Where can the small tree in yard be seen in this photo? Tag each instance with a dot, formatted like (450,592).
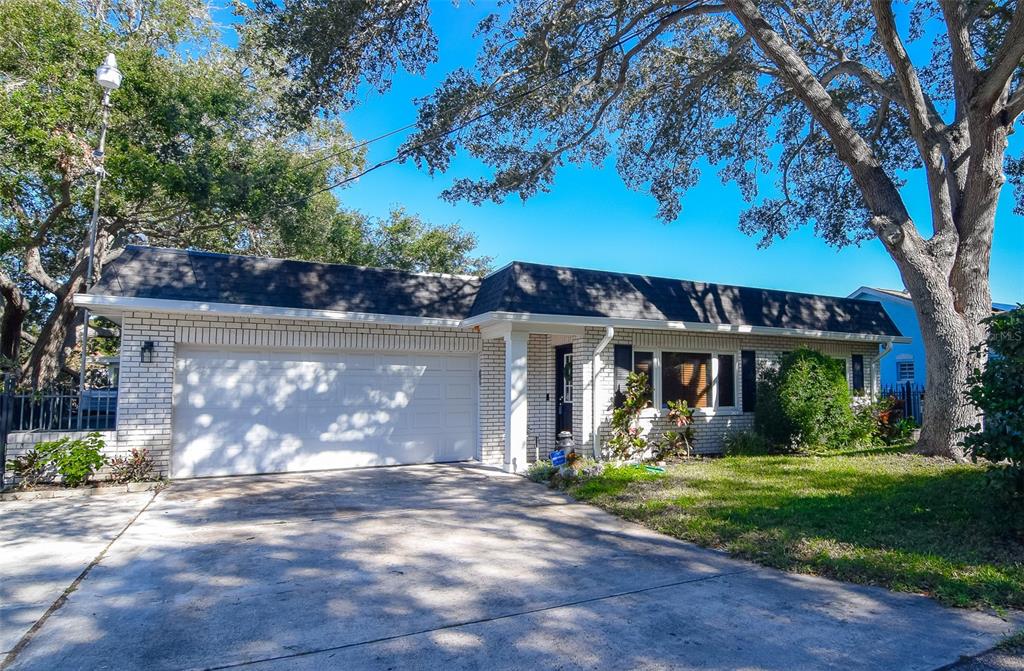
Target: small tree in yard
(998,391)
(627,441)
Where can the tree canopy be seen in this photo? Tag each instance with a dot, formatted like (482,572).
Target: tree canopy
(205,150)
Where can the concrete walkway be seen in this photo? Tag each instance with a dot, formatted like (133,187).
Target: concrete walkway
(441,567)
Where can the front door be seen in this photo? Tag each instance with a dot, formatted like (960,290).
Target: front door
(563,388)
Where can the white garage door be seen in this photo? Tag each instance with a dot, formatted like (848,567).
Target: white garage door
(276,411)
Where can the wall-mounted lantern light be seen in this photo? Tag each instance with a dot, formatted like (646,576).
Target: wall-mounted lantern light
(147,352)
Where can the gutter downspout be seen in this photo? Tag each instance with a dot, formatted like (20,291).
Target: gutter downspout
(875,364)
(609,333)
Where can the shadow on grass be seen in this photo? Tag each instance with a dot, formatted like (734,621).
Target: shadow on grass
(905,523)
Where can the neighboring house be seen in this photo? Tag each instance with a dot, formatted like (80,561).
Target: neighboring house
(906,362)
(233,364)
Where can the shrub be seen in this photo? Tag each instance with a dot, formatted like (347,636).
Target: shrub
(804,403)
(136,467)
(32,468)
(75,460)
(541,471)
(746,444)
(626,441)
(881,421)
(998,391)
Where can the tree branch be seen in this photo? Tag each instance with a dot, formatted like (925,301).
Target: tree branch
(870,78)
(1006,61)
(1015,105)
(925,123)
(34,269)
(891,220)
(620,83)
(965,68)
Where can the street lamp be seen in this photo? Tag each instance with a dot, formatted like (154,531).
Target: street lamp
(109,79)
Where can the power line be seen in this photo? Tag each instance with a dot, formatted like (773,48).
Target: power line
(403,152)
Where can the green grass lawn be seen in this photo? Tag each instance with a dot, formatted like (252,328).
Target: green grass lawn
(901,521)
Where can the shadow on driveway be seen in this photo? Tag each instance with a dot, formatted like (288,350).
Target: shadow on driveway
(458,567)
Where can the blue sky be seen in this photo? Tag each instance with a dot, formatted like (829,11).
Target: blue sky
(590,219)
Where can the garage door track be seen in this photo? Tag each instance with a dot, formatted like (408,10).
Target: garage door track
(440,567)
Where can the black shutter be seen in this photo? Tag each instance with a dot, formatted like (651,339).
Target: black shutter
(623,367)
(748,370)
(858,372)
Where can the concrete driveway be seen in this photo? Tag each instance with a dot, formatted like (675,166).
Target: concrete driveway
(434,567)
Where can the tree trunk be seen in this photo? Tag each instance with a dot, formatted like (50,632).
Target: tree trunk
(47,358)
(15,311)
(948,340)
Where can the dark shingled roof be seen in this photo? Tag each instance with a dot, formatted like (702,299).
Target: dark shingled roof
(176,274)
(150,272)
(535,288)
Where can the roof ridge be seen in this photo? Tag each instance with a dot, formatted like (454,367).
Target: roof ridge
(202,252)
(680,279)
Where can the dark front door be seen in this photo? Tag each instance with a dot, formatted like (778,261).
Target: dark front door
(563,388)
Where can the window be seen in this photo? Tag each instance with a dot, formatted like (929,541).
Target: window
(726,381)
(643,362)
(905,371)
(705,380)
(686,377)
(567,377)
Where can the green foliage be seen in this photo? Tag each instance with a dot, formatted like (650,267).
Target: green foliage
(998,391)
(905,522)
(205,150)
(402,241)
(804,403)
(679,442)
(75,460)
(627,441)
(31,468)
(541,471)
(746,444)
(879,421)
(135,467)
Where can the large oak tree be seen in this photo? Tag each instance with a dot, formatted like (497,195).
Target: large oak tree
(842,101)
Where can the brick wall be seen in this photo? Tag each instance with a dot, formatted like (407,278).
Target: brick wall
(540,380)
(492,402)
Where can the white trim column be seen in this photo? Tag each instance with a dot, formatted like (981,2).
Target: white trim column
(515,401)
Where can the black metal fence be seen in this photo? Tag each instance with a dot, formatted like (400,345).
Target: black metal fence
(56,409)
(909,398)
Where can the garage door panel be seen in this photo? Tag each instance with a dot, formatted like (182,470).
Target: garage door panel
(261,412)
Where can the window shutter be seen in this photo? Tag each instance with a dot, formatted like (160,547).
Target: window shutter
(748,371)
(623,367)
(858,372)
(726,381)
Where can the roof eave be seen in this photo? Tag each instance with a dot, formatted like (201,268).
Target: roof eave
(493,318)
(107,305)
(113,306)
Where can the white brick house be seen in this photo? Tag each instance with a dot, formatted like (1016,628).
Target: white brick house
(242,365)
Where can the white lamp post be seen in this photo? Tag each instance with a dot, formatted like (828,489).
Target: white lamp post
(109,79)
